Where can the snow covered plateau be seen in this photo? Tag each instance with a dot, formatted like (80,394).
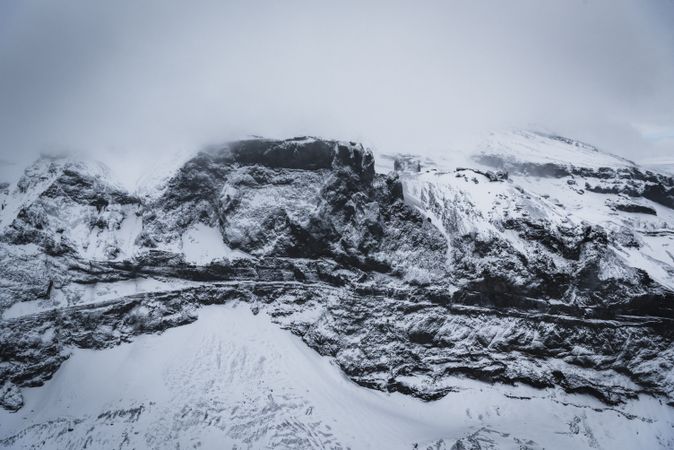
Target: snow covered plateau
(309,294)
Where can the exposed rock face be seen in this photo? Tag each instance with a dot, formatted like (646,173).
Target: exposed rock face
(402,279)
(635,208)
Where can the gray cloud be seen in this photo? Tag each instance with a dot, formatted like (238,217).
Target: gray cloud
(140,80)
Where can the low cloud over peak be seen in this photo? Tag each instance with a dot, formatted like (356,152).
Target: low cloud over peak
(138,81)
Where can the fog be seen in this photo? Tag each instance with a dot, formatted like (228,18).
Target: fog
(133,83)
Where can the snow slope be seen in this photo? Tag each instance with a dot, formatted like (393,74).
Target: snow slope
(663,164)
(562,199)
(541,148)
(235,380)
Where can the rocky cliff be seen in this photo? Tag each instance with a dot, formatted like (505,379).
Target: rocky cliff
(539,260)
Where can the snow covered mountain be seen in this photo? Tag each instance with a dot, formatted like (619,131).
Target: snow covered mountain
(521,295)
(664,165)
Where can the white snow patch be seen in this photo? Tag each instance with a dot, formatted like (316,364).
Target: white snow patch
(202,244)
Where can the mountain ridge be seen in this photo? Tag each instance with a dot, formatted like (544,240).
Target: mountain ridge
(405,279)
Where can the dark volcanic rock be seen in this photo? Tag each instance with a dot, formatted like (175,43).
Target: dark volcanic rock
(635,208)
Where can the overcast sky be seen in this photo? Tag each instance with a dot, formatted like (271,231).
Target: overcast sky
(138,80)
